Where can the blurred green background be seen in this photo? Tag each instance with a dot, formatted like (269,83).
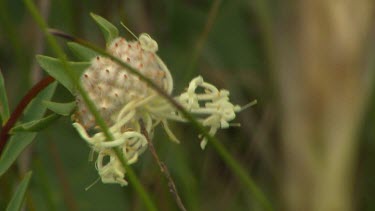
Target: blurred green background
(220,40)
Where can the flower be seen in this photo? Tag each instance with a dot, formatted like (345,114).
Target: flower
(123,99)
(217,109)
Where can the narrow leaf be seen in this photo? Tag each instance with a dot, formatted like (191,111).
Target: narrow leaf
(81,52)
(64,109)
(19,196)
(4,108)
(36,109)
(16,144)
(35,125)
(56,69)
(109,31)
(19,141)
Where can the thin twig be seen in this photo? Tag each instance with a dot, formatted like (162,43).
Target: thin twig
(4,134)
(163,168)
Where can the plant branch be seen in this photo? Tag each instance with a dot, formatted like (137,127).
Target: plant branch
(31,94)
(163,168)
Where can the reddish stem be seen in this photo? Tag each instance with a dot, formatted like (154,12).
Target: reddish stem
(31,94)
(163,168)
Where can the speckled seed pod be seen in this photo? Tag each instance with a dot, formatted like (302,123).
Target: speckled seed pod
(111,87)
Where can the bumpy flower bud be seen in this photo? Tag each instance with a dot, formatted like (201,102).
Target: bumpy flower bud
(110,86)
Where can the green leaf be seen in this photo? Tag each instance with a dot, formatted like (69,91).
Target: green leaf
(109,31)
(19,196)
(81,52)
(4,108)
(56,69)
(64,109)
(16,144)
(19,141)
(36,109)
(35,125)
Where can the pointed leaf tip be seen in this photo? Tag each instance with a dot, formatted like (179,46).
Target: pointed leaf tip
(64,109)
(109,31)
(56,69)
(35,125)
(81,52)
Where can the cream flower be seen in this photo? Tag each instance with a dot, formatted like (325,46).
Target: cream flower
(123,99)
(217,110)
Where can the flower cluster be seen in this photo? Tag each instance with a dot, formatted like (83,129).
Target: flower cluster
(123,99)
(217,109)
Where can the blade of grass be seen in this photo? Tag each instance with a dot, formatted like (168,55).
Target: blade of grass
(198,47)
(4,107)
(18,198)
(99,120)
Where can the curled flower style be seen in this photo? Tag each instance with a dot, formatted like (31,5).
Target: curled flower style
(217,109)
(123,99)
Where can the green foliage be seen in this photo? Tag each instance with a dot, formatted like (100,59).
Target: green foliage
(35,125)
(109,31)
(4,108)
(19,196)
(63,109)
(19,141)
(81,52)
(16,144)
(56,69)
